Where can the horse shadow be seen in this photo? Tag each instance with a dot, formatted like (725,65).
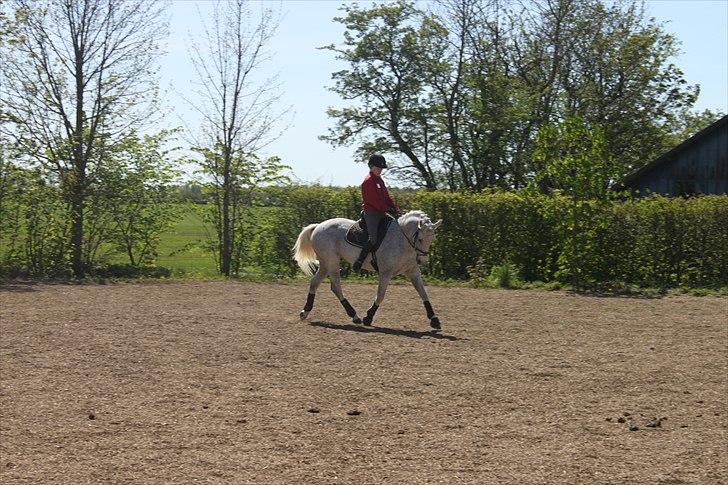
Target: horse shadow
(434,334)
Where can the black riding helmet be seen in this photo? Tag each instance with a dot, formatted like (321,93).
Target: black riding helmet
(377,160)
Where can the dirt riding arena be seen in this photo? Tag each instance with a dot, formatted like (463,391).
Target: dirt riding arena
(221,382)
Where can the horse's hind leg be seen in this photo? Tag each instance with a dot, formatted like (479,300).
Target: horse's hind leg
(315,282)
(336,288)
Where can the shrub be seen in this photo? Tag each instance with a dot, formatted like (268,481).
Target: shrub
(505,276)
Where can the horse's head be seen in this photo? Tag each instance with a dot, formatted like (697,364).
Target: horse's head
(427,230)
(421,230)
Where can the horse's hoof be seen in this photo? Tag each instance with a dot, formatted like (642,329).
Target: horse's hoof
(303,314)
(356,320)
(435,323)
(368,321)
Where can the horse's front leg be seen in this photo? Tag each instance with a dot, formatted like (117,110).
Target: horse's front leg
(416,278)
(384,279)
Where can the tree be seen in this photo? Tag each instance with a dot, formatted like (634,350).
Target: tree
(575,160)
(245,171)
(13,182)
(237,108)
(33,228)
(615,72)
(8,25)
(689,122)
(382,46)
(81,73)
(462,91)
(138,196)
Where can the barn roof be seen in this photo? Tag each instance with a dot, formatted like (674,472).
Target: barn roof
(669,155)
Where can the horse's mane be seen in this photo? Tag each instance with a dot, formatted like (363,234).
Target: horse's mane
(413,216)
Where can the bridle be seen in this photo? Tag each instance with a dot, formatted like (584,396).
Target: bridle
(420,253)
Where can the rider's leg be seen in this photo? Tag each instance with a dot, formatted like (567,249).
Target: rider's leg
(372,219)
(362,256)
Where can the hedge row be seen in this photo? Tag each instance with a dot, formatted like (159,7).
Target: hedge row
(657,241)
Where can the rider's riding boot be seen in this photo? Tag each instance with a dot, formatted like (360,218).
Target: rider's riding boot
(374,262)
(362,256)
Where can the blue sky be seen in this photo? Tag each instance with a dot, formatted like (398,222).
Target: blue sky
(305,73)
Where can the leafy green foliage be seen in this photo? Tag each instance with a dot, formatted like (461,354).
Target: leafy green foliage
(136,196)
(504,275)
(574,160)
(656,242)
(10,20)
(500,276)
(33,223)
(75,76)
(232,186)
(129,204)
(386,46)
(572,157)
(624,244)
(461,90)
(689,123)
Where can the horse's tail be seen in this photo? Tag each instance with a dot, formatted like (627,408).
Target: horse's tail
(303,251)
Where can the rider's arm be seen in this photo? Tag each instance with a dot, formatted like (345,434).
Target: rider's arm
(392,207)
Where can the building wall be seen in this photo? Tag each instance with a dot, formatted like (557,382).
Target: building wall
(699,168)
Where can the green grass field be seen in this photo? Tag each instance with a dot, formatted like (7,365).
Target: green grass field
(181,248)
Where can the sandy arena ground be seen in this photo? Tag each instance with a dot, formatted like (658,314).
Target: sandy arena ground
(221,382)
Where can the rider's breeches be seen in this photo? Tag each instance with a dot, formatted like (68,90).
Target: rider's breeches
(372,219)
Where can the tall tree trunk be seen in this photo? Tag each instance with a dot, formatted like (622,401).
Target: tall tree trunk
(78,192)
(77,206)
(226,248)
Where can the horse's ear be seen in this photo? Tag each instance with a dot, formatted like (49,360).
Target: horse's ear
(436,225)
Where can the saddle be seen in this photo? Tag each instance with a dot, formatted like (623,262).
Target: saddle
(357,235)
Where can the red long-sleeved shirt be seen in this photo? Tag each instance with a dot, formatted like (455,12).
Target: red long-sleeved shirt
(375,196)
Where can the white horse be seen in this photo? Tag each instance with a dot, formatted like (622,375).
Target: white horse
(406,243)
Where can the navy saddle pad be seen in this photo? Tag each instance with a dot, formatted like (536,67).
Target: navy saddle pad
(357,234)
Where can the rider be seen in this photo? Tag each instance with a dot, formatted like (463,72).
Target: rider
(376,204)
